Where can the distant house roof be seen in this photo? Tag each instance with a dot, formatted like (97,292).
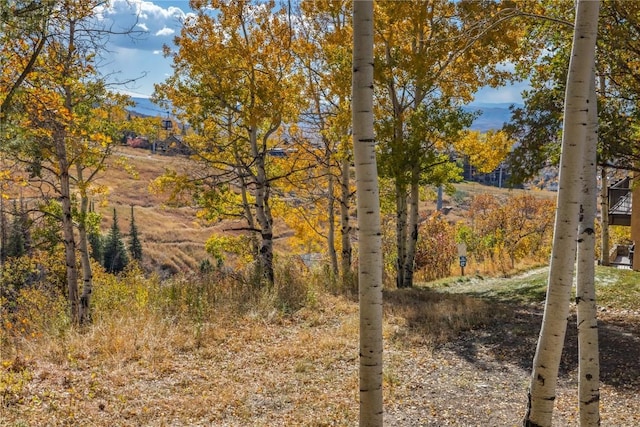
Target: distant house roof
(173,145)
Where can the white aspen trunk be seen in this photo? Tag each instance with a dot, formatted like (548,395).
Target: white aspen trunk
(546,362)
(263,213)
(345,225)
(412,226)
(85,262)
(67,226)
(368,203)
(401,232)
(604,217)
(588,349)
(331,234)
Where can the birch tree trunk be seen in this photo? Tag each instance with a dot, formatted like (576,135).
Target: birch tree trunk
(345,225)
(263,211)
(412,226)
(331,219)
(588,350)
(368,203)
(85,262)
(604,216)
(401,232)
(67,225)
(546,362)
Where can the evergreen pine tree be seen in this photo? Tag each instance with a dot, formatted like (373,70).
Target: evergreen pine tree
(16,243)
(135,247)
(115,253)
(97,246)
(96,241)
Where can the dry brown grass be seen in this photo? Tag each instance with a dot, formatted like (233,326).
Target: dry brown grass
(186,357)
(222,352)
(172,238)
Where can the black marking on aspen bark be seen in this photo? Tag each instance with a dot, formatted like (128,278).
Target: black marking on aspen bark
(589,377)
(594,399)
(367,140)
(580,240)
(540,379)
(578,300)
(550,398)
(589,231)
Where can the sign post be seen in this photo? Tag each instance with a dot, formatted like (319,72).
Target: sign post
(462,253)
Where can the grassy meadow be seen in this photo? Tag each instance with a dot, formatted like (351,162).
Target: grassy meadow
(215,349)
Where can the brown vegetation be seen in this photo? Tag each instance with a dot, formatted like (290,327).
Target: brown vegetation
(217,351)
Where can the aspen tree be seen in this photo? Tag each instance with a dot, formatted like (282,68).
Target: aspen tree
(588,349)
(368,203)
(546,362)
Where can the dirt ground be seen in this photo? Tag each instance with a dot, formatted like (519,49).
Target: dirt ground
(481,378)
(302,371)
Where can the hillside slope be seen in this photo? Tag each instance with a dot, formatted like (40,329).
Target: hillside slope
(173,238)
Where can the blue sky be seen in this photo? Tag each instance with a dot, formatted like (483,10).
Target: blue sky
(140,57)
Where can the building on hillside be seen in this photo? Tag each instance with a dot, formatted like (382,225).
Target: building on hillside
(496,178)
(171,146)
(138,142)
(620,199)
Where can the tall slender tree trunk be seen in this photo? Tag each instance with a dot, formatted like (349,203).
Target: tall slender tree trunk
(412,226)
(401,232)
(368,202)
(345,223)
(544,376)
(83,245)
(263,212)
(604,216)
(588,349)
(331,234)
(67,226)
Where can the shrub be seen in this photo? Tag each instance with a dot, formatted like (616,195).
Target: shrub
(436,248)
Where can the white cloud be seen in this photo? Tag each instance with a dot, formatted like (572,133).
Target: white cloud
(137,58)
(148,22)
(509,94)
(165,32)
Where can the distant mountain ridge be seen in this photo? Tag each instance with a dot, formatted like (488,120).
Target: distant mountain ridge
(146,107)
(493,115)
